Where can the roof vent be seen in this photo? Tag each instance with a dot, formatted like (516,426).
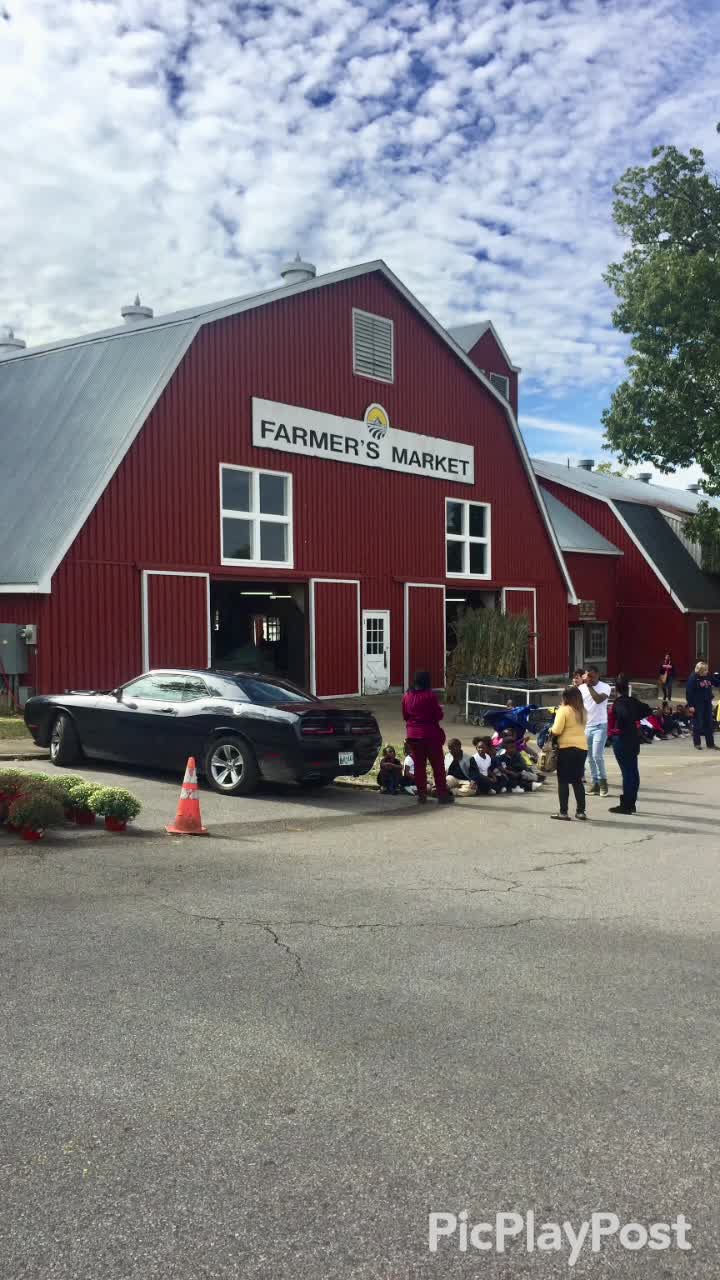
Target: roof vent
(644,477)
(694,488)
(9,344)
(587,464)
(298,272)
(135,312)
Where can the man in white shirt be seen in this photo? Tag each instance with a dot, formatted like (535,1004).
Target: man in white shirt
(595,694)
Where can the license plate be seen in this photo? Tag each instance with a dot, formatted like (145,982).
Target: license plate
(346,757)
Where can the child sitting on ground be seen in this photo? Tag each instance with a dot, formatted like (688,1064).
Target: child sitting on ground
(483,772)
(496,775)
(670,722)
(390,775)
(519,776)
(408,771)
(457,768)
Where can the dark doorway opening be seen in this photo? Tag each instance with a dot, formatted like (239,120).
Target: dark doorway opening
(260,626)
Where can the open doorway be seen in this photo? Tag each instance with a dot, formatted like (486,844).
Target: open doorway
(260,626)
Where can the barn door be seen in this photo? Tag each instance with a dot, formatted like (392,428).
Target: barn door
(335,637)
(175,619)
(519,600)
(425,632)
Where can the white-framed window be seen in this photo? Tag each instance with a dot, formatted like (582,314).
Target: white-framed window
(597,641)
(501,383)
(702,641)
(373,346)
(255,517)
(467,539)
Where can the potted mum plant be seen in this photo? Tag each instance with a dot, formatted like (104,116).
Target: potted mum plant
(64,784)
(116,805)
(34,811)
(80,796)
(12,784)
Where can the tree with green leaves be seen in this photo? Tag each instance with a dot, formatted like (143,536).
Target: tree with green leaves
(667,411)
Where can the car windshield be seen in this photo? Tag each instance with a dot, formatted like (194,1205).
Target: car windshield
(267,691)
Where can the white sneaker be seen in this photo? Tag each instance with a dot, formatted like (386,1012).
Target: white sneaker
(491,792)
(518,791)
(536,786)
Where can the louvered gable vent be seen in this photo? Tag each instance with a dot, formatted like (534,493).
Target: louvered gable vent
(373,346)
(501,384)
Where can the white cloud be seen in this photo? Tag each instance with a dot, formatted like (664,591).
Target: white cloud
(185,147)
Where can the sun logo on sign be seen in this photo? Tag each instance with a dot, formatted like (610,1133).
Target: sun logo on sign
(376,421)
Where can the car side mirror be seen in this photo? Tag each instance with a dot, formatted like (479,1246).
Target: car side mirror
(118,694)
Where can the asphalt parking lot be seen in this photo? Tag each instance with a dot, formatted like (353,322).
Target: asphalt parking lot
(273,1051)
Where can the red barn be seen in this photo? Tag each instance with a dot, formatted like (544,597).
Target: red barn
(664,598)
(292,481)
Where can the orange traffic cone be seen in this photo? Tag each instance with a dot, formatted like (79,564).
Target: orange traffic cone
(187,819)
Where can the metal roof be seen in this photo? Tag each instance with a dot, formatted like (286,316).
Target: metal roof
(66,422)
(468,335)
(621,489)
(695,590)
(573,533)
(103,401)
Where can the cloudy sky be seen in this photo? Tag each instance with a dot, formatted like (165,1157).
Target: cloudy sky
(184,148)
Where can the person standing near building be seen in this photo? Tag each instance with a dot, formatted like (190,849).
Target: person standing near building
(625,739)
(568,731)
(422,714)
(667,675)
(595,694)
(699,697)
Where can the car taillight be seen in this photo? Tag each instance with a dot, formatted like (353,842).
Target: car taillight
(314,730)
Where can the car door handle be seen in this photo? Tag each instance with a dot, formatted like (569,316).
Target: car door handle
(131,705)
(167,711)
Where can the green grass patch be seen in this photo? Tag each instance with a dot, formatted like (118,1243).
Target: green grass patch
(13,727)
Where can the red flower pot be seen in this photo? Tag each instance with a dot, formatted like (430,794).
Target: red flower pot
(115,824)
(85,817)
(30,834)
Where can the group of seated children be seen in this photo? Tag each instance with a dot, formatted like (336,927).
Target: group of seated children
(666,722)
(495,767)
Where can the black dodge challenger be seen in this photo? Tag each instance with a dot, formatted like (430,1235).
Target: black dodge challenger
(240,727)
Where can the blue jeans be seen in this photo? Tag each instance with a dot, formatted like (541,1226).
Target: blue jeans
(596,738)
(627,755)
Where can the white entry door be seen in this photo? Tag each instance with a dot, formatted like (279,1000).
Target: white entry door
(376,651)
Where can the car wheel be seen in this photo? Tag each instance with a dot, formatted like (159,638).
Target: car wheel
(230,767)
(64,741)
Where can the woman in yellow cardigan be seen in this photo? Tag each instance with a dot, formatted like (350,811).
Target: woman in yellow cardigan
(568,731)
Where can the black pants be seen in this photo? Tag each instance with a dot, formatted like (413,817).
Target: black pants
(627,755)
(570,769)
(703,724)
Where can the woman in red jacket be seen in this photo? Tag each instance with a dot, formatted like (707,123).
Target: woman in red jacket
(422,714)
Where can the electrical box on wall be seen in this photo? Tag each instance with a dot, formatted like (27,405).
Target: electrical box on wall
(29,633)
(13,650)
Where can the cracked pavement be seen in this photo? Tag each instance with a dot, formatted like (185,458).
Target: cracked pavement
(270,1052)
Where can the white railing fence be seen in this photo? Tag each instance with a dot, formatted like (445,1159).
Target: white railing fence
(476,695)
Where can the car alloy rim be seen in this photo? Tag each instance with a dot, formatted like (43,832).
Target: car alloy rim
(227,766)
(55,741)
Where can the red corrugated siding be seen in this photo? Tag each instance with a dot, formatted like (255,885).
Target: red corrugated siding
(337,638)
(161,510)
(487,355)
(177,621)
(595,578)
(648,621)
(426,633)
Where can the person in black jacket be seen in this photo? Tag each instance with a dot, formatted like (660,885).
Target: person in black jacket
(627,712)
(699,697)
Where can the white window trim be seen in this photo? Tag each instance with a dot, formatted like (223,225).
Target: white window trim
(466,539)
(371,315)
(256,516)
(702,623)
